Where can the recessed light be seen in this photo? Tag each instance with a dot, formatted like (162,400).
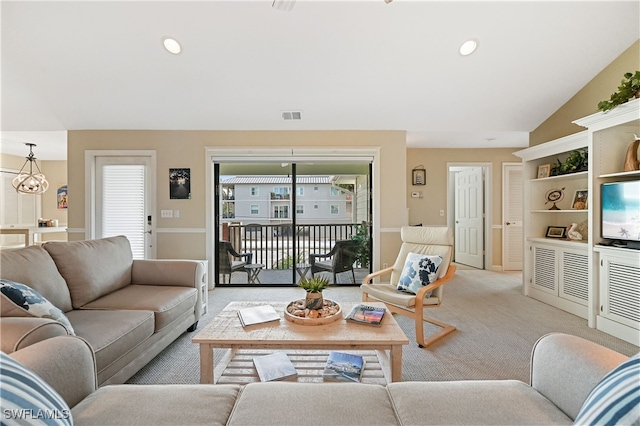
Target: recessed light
(468,47)
(172,45)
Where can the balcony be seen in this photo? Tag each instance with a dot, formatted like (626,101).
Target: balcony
(279,247)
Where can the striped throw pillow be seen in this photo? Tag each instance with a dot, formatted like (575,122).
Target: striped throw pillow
(27,399)
(616,398)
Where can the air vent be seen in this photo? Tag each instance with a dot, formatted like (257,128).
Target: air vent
(291,115)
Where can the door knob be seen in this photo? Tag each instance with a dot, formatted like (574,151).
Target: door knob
(508,223)
(149,231)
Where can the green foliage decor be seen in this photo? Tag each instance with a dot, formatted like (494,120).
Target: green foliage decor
(363,254)
(314,284)
(577,161)
(629,88)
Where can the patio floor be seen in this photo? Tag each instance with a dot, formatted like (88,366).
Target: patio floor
(283,277)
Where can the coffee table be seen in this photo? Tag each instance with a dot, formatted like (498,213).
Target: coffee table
(225,331)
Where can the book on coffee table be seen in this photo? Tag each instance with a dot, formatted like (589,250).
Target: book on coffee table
(275,366)
(258,315)
(342,366)
(364,314)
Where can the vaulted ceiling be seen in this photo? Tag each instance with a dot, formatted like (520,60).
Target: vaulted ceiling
(356,65)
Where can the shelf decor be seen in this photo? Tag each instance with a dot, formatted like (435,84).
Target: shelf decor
(556,232)
(580,199)
(554,196)
(544,171)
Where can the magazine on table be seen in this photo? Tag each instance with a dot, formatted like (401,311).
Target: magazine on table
(342,366)
(364,314)
(258,315)
(275,366)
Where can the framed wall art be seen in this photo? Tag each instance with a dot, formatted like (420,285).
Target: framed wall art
(180,184)
(419,176)
(544,171)
(580,199)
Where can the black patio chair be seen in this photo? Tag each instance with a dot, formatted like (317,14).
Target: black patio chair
(340,259)
(226,264)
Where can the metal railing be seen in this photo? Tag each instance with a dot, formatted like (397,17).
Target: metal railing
(274,245)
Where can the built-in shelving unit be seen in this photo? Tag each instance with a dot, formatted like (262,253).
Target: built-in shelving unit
(586,278)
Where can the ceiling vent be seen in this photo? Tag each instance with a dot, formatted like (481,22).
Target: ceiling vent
(291,115)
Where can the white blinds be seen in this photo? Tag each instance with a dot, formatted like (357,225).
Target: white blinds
(123,209)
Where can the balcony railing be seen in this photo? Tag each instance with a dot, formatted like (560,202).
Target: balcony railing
(282,246)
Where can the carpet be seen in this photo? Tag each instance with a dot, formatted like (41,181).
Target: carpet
(496,329)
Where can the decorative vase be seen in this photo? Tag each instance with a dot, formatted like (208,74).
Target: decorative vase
(631,161)
(314,300)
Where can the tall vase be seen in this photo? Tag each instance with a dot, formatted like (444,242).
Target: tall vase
(631,162)
(314,300)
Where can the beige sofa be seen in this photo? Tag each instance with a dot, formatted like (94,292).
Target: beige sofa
(128,310)
(564,369)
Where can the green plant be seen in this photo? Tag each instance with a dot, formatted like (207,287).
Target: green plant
(363,252)
(629,88)
(314,284)
(577,161)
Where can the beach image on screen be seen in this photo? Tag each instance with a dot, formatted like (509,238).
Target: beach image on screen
(621,210)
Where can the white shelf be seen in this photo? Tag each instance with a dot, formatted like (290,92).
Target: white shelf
(632,173)
(562,177)
(561,242)
(559,211)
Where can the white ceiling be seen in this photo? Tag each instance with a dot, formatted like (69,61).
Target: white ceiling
(356,65)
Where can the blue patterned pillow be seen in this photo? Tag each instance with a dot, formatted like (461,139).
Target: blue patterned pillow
(32,302)
(419,270)
(616,399)
(27,399)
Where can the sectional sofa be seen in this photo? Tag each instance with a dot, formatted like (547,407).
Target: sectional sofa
(127,310)
(564,371)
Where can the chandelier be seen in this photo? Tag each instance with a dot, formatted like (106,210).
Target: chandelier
(30,183)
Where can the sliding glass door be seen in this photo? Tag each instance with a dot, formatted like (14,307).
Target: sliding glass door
(277,216)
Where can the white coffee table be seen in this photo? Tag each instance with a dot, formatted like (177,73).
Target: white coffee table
(225,331)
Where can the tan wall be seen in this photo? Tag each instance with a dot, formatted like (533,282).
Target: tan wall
(585,102)
(426,210)
(186,149)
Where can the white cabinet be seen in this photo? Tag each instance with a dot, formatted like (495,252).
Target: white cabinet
(619,310)
(559,275)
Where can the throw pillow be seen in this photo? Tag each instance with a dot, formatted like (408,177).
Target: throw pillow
(615,399)
(27,399)
(32,302)
(419,270)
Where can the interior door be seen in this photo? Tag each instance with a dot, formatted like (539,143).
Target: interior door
(123,203)
(512,212)
(469,217)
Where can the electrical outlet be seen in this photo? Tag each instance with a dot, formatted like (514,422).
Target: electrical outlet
(441,212)
(385,265)
(166,213)
(176,213)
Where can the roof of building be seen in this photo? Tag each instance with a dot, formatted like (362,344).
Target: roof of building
(275,180)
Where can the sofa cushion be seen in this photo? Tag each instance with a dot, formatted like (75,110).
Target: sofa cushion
(33,266)
(29,397)
(21,300)
(112,333)
(157,405)
(167,303)
(288,403)
(92,268)
(616,399)
(477,402)
(419,270)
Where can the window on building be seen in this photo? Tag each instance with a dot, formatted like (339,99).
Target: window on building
(281,212)
(334,209)
(299,209)
(254,191)
(300,190)
(315,206)
(281,192)
(334,191)
(255,209)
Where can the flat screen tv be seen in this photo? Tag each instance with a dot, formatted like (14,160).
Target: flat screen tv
(621,212)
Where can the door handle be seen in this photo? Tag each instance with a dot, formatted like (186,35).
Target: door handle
(508,223)
(149,231)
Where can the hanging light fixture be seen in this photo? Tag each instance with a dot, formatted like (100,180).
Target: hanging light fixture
(30,183)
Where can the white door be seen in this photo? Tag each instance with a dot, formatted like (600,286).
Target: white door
(124,201)
(512,215)
(469,217)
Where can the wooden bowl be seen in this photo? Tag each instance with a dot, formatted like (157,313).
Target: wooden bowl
(313,321)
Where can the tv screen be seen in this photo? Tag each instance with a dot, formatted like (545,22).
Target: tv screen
(621,210)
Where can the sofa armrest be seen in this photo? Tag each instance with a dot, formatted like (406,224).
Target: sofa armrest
(566,368)
(20,332)
(67,363)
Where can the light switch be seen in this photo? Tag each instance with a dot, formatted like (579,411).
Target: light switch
(166,213)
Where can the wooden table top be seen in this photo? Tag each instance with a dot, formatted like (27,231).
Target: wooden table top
(225,330)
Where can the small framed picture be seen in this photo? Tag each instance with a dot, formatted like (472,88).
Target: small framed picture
(580,199)
(419,176)
(179,184)
(544,171)
(556,232)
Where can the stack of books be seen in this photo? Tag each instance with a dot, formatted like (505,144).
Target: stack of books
(258,315)
(364,314)
(275,366)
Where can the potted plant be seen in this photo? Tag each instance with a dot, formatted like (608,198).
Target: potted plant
(314,286)
(629,88)
(363,254)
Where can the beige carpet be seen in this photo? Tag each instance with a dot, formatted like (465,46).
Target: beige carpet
(497,327)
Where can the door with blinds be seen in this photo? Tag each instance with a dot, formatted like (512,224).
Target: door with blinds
(123,201)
